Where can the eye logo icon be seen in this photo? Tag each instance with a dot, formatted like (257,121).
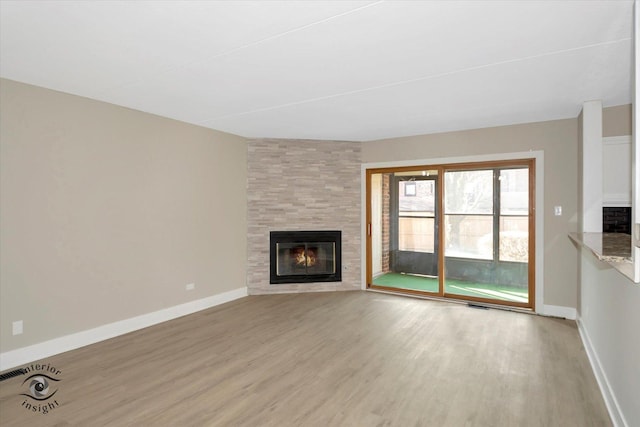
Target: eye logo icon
(39,388)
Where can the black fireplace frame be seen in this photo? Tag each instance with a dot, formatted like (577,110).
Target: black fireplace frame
(303,237)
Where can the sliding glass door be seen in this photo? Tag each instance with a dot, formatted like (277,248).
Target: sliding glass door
(404,208)
(486,219)
(456,231)
(413,224)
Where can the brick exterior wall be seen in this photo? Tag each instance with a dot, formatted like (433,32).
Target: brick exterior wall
(302,185)
(386,221)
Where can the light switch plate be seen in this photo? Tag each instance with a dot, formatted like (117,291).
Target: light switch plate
(17,327)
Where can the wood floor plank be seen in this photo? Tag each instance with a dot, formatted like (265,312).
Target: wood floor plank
(338,358)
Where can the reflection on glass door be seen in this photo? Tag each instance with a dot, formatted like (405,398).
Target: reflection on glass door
(486,216)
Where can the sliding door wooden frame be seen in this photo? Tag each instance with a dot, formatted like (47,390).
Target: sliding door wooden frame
(529,163)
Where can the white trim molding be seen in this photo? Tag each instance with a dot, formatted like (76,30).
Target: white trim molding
(558,311)
(32,353)
(539,219)
(617,417)
(617,140)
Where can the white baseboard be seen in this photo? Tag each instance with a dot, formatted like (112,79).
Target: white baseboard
(605,388)
(32,353)
(559,311)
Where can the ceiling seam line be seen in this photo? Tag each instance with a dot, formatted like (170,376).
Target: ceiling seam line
(417,79)
(245,46)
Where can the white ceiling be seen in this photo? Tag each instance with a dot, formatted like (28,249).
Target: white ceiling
(348,70)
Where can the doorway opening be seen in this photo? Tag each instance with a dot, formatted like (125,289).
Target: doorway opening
(462,231)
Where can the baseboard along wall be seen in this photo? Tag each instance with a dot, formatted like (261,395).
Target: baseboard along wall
(559,311)
(610,400)
(32,353)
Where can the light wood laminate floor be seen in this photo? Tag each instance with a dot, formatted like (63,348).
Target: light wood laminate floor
(321,359)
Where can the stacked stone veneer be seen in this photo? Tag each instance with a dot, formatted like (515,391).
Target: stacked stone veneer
(302,185)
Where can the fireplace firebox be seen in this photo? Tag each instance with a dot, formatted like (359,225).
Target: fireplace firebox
(305,256)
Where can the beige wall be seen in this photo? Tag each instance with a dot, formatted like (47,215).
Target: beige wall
(616,121)
(558,140)
(107,213)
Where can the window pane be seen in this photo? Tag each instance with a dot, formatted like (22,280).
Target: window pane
(514,192)
(514,238)
(469,236)
(468,192)
(416,234)
(417,197)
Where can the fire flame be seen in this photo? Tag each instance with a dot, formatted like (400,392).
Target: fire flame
(303,257)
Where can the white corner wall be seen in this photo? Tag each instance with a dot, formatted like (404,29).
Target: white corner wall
(592,182)
(609,302)
(609,322)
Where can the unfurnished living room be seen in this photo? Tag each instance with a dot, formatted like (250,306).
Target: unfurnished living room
(314,213)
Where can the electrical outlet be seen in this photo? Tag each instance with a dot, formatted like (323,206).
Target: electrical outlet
(190,286)
(17,327)
(557,210)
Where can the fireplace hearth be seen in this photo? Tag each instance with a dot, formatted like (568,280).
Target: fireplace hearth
(305,256)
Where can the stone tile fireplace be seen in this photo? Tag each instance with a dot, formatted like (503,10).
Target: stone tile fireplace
(305,256)
(303,185)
